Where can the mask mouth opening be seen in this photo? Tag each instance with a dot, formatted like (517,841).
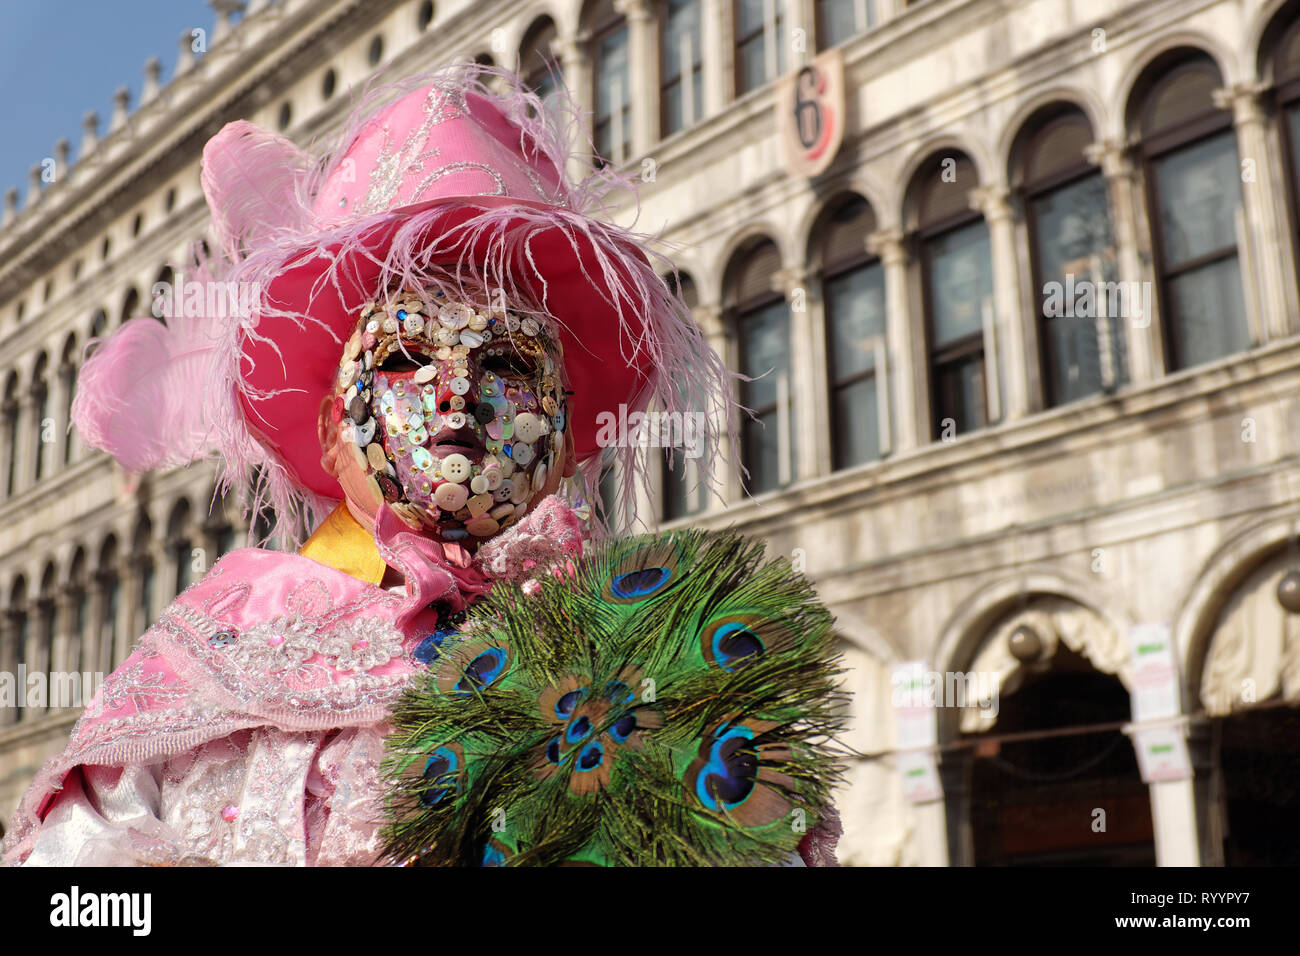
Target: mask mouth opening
(462,441)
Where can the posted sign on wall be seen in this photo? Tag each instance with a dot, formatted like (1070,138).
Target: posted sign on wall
(810,107)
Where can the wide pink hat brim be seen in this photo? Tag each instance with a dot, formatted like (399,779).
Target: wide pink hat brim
(290,366)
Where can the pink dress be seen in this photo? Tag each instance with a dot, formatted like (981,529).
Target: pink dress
(248,725)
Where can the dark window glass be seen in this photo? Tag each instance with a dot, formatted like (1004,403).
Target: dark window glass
(838,20)
(682,65)
(760,48)
(1083,339)
(613,122)
(765,357)
(960,286)
(855,320)
(1199,193)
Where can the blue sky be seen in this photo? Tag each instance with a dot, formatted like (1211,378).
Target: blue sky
(60,58)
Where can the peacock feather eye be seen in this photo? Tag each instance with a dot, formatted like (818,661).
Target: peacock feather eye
(472,667)
(441,774)
(733,775)
(734,640)
(643,573)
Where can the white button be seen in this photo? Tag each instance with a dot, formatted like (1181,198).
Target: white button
(528,428)
(471,339)
(454,316)
(529,326)
(460,385)
(478,484)
(450,497)
(455,468)
(454,420)
(504,491)
(424,374)
(539,477)
(522,453)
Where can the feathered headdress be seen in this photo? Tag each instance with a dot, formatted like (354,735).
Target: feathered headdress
(437,183)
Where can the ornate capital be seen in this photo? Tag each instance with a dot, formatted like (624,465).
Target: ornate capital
(633,9)
(889,245)
(1113,156)
(992,201)
(786,280)
(1244,99)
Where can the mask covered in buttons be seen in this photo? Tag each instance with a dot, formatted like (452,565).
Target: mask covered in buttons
(459,414)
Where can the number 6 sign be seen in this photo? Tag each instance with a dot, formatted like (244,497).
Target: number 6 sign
(810,107)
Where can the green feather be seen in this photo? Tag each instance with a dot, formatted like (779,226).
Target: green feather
(672,701)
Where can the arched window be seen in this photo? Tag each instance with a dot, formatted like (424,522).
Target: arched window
(219,529)
(681,66)
(538,63)
(682,492)
(760,45)
(79,610)
(108,581)
(838,20)
(425,16)
(1193,179)
(1286,87)
(853,291)
(43,656)
(68,381)
(178,543)
(19,635)
(13,428)
(45,432)
(145,574)
(98,329)
(612,92)
(761,321)
(165,297)
(130,306)
(957,278)
(1080,304)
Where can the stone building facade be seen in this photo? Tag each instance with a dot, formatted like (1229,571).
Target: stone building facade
(984,469)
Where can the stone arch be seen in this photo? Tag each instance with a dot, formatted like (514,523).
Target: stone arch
(1065,611)
(1150,59)
(1084,99)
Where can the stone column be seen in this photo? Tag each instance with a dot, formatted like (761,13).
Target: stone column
(809,414)
(886,10)
(65,444)
(1145,343)
(714,16)
(1263,191)
(642,73)
(29,433)
(1011,337)
(576,70)
(726,478)
(9,663)
(905,343)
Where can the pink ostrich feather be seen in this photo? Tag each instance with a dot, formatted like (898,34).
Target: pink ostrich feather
(262,190)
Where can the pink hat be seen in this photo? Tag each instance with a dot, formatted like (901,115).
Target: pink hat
(440,184)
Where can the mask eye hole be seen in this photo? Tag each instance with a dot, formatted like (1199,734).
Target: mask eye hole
(397,362)
(508,366)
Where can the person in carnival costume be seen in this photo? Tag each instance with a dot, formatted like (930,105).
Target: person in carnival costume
(442,320)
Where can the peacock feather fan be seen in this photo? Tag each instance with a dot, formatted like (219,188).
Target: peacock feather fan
(669,700)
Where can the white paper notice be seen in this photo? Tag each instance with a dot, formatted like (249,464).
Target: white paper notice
(1162,752)
(913,707)
(1155,672)
(920,776)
